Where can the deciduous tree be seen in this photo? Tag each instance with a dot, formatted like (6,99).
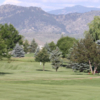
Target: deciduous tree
(10,36)
(2,48)
(86,51)
(65,43)
(43,57)
(94,28)
(52,46)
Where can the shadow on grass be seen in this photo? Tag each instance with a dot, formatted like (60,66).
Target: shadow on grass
(4,73)
(42,70)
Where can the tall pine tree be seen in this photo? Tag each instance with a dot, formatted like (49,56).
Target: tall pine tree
(33,46)
(26,45)
(55,58)
(46,46)
(36,51)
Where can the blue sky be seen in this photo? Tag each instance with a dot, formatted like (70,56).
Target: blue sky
(48,5)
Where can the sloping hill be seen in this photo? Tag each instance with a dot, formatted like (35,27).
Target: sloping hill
(29,19)
(33,22)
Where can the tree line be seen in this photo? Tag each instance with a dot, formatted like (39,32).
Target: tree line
(84,54)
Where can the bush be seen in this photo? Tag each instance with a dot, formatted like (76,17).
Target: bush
(81,67)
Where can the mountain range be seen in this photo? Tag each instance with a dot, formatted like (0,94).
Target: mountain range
(74,9)
(33,22)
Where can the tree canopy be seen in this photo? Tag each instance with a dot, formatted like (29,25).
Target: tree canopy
(42,56)
(86,51)
(33,46)
(94,28)
(65,43)
(2,47)
(52,46)
(10,36)
(26,45)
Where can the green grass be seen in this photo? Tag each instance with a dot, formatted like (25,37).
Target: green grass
(24,59)
(20,80)
(29,55)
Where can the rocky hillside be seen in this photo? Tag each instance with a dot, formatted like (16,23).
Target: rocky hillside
(33,22)
(77,23)
(29,19)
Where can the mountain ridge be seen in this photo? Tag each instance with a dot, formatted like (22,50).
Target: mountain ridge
(33,22)
(73,9)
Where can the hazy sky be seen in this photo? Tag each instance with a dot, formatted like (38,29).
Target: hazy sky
(48,5)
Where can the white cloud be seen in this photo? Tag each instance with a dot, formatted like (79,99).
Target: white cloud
(15,2)
(67,1)
(53,4)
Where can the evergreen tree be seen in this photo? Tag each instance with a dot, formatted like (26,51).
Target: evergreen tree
(43,57)
(36,51)
(55,58)
(86,51)
(81,67)
(18,51)
(33,46)
(46,46)
(26,45)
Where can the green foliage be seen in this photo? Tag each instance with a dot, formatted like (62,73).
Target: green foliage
(65,43)
(52,46)
(36,51)
(55,58)
(81,67)
(47,47)
(33,46)
(85,51)
(94,28)
(43,57)
(26,45)
(10,36)
(9,57)
(2,48)
(18,51)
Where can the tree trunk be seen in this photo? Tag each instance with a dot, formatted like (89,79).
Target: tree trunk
(56,69)
(95,70)
(43,66)
(90,67)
